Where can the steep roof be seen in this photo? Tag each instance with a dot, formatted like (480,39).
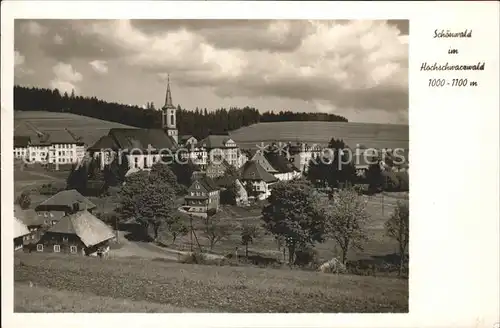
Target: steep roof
(142,138)
(105,142)
(279,162)
(65,198)
(252,170)
(20,229)
(21,141)
(214,141)
(86,226)
(29,217)
(207,183)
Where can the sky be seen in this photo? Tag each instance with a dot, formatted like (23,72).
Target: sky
(357,69)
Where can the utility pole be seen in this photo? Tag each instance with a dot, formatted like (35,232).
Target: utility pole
(382,203)
(191,224)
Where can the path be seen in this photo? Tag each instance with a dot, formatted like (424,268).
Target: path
(140,249)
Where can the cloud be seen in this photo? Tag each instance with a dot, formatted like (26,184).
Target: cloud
(33,28)
(58,39)
(20,68)
(66,77)
(18,59)
(350,64)
(100,66)
(337,66)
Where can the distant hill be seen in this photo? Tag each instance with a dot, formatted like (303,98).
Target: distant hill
(90,129)
(367,134)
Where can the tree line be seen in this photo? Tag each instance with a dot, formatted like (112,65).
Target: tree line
(198,122)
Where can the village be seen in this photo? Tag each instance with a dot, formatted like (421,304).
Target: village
(219,179)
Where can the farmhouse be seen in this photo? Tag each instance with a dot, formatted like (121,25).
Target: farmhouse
(62,203)
(21,233)
(257,180)
(141,147)
(276,164)
(35,222)
(79,232)
(203,194)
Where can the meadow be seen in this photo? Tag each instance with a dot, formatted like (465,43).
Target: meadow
(377,246)
(90,129)
(194,288)
(367,134)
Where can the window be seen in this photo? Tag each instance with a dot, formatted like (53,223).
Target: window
(39,248)
(65,238)
(197,186)
(172,119)
(73,249)
(57,248)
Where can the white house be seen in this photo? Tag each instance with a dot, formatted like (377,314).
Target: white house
(257,181)
(276,164)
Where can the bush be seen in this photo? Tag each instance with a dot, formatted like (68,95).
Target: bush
(49,189)
(306,257)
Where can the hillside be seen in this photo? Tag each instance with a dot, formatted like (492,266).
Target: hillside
(90,129)
(367,134)
(197,287)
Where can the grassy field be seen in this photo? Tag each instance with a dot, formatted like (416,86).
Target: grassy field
(367,134)
(185,286)
(378,243)
(90,129)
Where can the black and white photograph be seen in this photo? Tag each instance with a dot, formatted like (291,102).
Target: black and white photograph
(231,166)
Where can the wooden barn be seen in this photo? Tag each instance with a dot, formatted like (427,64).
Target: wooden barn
(78,232)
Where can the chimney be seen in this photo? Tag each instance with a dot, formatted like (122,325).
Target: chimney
(76,207)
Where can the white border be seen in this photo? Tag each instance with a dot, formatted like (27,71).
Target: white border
(454,203)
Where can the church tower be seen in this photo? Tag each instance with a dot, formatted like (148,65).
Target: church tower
(168,115)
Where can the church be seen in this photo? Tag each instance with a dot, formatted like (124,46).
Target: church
(142,147)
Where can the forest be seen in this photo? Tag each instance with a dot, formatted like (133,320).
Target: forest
(196,122)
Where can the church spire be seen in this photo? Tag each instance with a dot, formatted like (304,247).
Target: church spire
(168,97)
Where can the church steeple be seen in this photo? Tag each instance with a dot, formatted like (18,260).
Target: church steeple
(168,115)
(168,96)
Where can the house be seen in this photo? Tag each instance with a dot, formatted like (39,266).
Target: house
(59,147)
(21,144)
(63,202)
(187,140)
(78,232)
(203,194)
(195,153)
(300,154)
(257,181)
(141,148)
(21,233)
(226,182)
(276,164)
(35,222)
(220,147)
(217,169)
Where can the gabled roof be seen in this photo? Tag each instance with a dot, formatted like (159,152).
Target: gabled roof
(20,229)
(252,170)
(214,141)
(142,138)
(185,137)
(86,226)
(21,141)
(279,162)
(65,198)
(29,217)
(206,183)
(105,142)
